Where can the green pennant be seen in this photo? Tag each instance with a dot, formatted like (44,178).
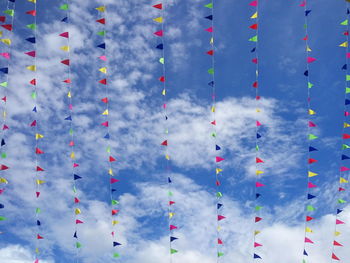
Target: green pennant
(173,251)
(312,137)
(161,61)
(3,84)
(347,77)
(344,23)
(70,131)
(257,148)
(74,189)
(310,85)
(347,90)
(258,208)
(170,193)
(2,218)
(64,7)
(341,201)
(116,255)
(304,261)
(32,26)
(218,194)
(101,33)
(254,39)
(10,12)
(345,146)
(210,5)
(38,211)
(166,131)
(3,155)
(220,254)
(108,149)
(115,202)
(213,134)
(305,26)
(211,71)
(78,245)
(310,208)
(33,95)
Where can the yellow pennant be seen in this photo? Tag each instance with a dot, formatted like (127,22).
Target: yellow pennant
(115,222)
(77,211)
(311,174)
(105,112)
(259,172)
(32,67)
(171,214)
(6,41)
(65,48)
(343,180)
(38,136)
(4,114)
(101,8)
(110,171)
(103,70)
(32,1)
(39,182)
(255,15)
(167,157)
(311,112)
(3,180)
(163,92)
(308,49)
(258,110)
(219,228)
(218,170)
(158,19)
(69,95)
(345,44)
(211,41)
(72,155)
(308,229)
(257,232)
(0,33)
(337,233)
(213,109)
(346,125)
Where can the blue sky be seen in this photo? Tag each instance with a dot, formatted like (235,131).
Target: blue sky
(137,125)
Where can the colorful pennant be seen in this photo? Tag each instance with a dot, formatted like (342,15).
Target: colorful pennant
(105,113)
(159,20)
(259,162)
(311,137)
(217,149)
(69,119)
(6,50)
(343,174)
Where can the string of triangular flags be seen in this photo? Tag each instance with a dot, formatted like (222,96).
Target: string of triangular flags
(311,137)
(5,55)
(106,124)
(66,62)
(218,159)
(34,124)
(344,170)
(258,132)
(171,203)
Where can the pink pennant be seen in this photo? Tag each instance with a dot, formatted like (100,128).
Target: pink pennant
(172,227)
(104,58)
(219,159)
(79,221)
(2,191)
(36,261)
(76,200)
(37,194)
(347,55)
(71,143)
(105,124)
(159,33)
(311,185)
(33,124)
(310,59)
(308,240)
(258,184)
(75,165)
(258,123)
(65,34)
(5,55)
(257,244)
(220,241)
(346,113)
(210,29)
(220,217)
(5,127)
(311,124)
(344,169)
(31,53)
(113,180)
(339,222)
(303,3)
(254,3)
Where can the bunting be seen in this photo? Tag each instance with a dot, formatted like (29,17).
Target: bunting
(259,161)
(4,84)
(65,62)
(344,170)
(311,138)
(159,21)
(219,242)
(106,123)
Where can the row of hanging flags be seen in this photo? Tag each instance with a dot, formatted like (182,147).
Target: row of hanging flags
(160,46)
(311,137)
(217,148)
(258,133)
(344,169)
(105,101)
(6,20)
(67,81)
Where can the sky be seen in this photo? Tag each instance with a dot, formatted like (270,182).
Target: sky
(137,123)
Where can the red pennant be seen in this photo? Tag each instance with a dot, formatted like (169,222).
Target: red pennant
(220,241)
(341,189)
(309,218)
(33,82)
(39,169)
(105,124)
(38,151)
(172,227)
(114,212)
(65,34)
(111,159)
(105,100)
(33,124)
(257,219)
(335,257)
(257,244)
(103,81)
(5,127)
(31,12)
(255,60)
(310,161)
(308,240)
(4,99)
(8,27)
(311,124)
(311,185)
(255,84)
(76,200)
(210,29)
(2,19)
(335,243)
(254,26)
(220,217)
(346,33)
(159,33)
(258,160)
(258,184)
(162,79)
(102,21)
(113,180)
(346,136)
(217,183)
(219,159)
(31,53)
(171,202)
(37,194)
(39,237)
(213,122)
(68,81)
(66,62)
(306,37)
(78,222)
(3,167)
(159,6)
(165,143)
(210,52)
